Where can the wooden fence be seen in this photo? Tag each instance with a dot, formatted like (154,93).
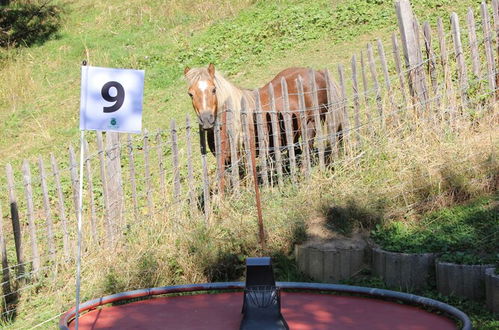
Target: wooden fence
(424,78)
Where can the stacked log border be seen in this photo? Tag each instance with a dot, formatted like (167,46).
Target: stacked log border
(492,290)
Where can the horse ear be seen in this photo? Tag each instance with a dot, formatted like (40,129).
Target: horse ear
(187,69)
(211,70)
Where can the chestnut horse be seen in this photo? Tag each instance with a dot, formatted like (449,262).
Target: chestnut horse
(210,91)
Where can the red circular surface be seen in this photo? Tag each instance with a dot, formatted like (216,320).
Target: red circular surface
(303,311)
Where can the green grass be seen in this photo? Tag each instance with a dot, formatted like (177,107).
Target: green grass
(464,234)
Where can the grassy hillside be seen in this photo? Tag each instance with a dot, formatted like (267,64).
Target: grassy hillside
(249,40)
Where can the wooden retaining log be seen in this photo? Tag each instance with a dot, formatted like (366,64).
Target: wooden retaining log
(332,261)
(407,271)
(467,281)
(492,290)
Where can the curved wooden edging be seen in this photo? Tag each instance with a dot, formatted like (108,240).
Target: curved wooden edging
(407,271)
(330,264)
(492,290)
(467,281)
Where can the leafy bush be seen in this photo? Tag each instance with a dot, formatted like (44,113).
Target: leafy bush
(26,24)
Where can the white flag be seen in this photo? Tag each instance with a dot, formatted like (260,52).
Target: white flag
(111,99)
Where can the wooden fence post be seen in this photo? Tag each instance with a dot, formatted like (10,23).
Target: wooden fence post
(159,151)
(31,217)
(105,194)
(115,181)
(374,76)
(412,52)
(475,57)
(91,197)
(262,140)
(147,173)
(319,134)
(345,124)
(233,144)
(461,66)
(175,164)
(16,226)
(382,57)
(356,103)
(133,182)
(219,155)
(46,207)
(489,56)
(366,93)
(62,208)
(206,179)
(190,170)
(6,289)
(398,68)
(495,15)
(334,101)
(430,56)
(276,134)
(288,127)
(305,139)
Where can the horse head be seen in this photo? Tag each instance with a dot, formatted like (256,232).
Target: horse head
(203,93)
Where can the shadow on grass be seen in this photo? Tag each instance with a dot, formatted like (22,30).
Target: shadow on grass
(27,24)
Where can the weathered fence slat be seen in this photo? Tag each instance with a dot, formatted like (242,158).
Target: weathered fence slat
(219,155)
(91,196)
(161,165)
(374,76)
(382,57)
(175,164)
(247,137)
(444,60)
(233,144)
(73,170)
(115,181)
(365,88)
(30,210)
(356,103)
(288,125)
(190,170)
(305,140)
(206,179)
(6,289)
(133,181)
(461,66)
(495,14)
(105,194)
(319,134)
(487,37)
(331,116)
(398,68)
(62,208)
(46,207)
(147,169)
(430,56)
(276,135)
(262,140)
(14,213)
(345,124)
(475,57)
(412,53)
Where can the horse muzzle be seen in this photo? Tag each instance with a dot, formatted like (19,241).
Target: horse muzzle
(207,121)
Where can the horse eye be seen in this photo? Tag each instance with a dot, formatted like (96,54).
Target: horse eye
(214,90)
(190,94)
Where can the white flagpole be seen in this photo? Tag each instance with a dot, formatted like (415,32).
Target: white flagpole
(80,211)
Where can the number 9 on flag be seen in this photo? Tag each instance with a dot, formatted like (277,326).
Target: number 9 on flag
(111,99)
